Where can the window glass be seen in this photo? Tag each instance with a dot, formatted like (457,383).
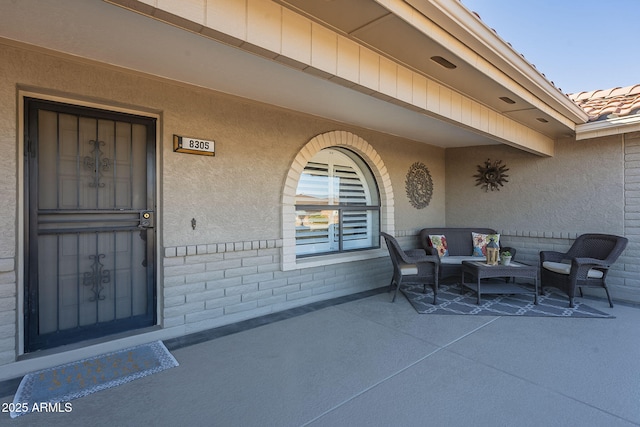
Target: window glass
(337,204)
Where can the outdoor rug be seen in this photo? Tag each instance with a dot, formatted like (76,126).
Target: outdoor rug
(50,389)
(450,301)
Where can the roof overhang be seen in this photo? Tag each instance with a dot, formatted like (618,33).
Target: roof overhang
(192,51)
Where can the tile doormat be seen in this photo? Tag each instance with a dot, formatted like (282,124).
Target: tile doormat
(73,380)
(450,301)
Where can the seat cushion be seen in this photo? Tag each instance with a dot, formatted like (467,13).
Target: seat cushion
(409,269)
(563,268)
(457,260)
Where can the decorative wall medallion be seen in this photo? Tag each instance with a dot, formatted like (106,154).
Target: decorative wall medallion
(491,175)
(419,185)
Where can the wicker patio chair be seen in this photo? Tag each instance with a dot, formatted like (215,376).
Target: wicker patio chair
(412,266)
(586,264)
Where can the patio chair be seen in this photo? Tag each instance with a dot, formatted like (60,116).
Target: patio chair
(412,266)
(586,264)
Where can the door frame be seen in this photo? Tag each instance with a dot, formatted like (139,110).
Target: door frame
(22,196)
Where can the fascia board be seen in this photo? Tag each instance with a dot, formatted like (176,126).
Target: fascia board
(464,25)
(608,127)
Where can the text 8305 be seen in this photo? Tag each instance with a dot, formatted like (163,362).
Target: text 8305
(194,144)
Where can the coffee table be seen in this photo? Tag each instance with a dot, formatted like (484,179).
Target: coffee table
(490,279)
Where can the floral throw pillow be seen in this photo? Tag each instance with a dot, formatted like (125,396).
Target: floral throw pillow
(480,242)
(440,243)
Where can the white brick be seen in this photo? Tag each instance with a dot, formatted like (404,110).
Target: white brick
(206,295)
(236,308)
(239,290)
(204,315)
(7,264)
(7,277)
(257,295)
(183,289)
(286,289)
(170,322)
(184,309)
(7,356)
(242,271)
(203,258)
(170,252)
(183,270)
(222,302)
(203,277)
(255,278)
(7,290)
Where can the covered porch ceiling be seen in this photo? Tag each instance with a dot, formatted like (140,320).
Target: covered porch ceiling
(487,68)
(96,30)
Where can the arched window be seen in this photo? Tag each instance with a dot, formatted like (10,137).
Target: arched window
(337,204)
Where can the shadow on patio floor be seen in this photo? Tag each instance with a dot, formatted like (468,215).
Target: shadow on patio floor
(366,361)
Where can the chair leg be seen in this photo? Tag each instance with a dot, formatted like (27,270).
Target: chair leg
(435,294)
(608,296)
(395,293)
(570,302)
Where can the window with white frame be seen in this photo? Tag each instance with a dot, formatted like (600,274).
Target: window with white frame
(337,205)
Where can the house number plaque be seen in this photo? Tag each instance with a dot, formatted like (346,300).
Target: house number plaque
(184,144)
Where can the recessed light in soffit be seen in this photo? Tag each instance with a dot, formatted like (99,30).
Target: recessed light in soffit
(542,120)
(507,100)
(445,63)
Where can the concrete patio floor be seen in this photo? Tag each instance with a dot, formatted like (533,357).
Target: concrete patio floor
(369,362)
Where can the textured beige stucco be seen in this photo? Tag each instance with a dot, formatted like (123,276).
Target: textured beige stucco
(8,168)
(398,156)
(579,190)
(234,196)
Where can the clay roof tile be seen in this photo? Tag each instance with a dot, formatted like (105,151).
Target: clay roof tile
(608,103)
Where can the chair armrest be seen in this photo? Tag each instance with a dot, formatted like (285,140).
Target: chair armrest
(417,256)
(552,256)
(416,252)
(589,262)
(431,251)
(580,267)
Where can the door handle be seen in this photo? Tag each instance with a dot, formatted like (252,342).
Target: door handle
(146,219)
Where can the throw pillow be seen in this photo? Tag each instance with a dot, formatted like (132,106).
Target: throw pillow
(480,243)
(440,243)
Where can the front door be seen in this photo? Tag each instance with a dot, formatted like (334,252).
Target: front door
(90,235)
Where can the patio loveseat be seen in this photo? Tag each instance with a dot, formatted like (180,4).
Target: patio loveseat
(460,246)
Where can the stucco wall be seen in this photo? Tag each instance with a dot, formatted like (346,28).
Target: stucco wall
(228,268)
(588,186)
(580,189)
(398,157)
(234,195)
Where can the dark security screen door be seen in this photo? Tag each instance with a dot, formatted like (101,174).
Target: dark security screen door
(90,264)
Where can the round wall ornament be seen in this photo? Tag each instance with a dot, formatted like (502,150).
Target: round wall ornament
(491,175)
(419,185)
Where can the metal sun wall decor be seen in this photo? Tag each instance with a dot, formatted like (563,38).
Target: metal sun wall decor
(419,185)
(491,175)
